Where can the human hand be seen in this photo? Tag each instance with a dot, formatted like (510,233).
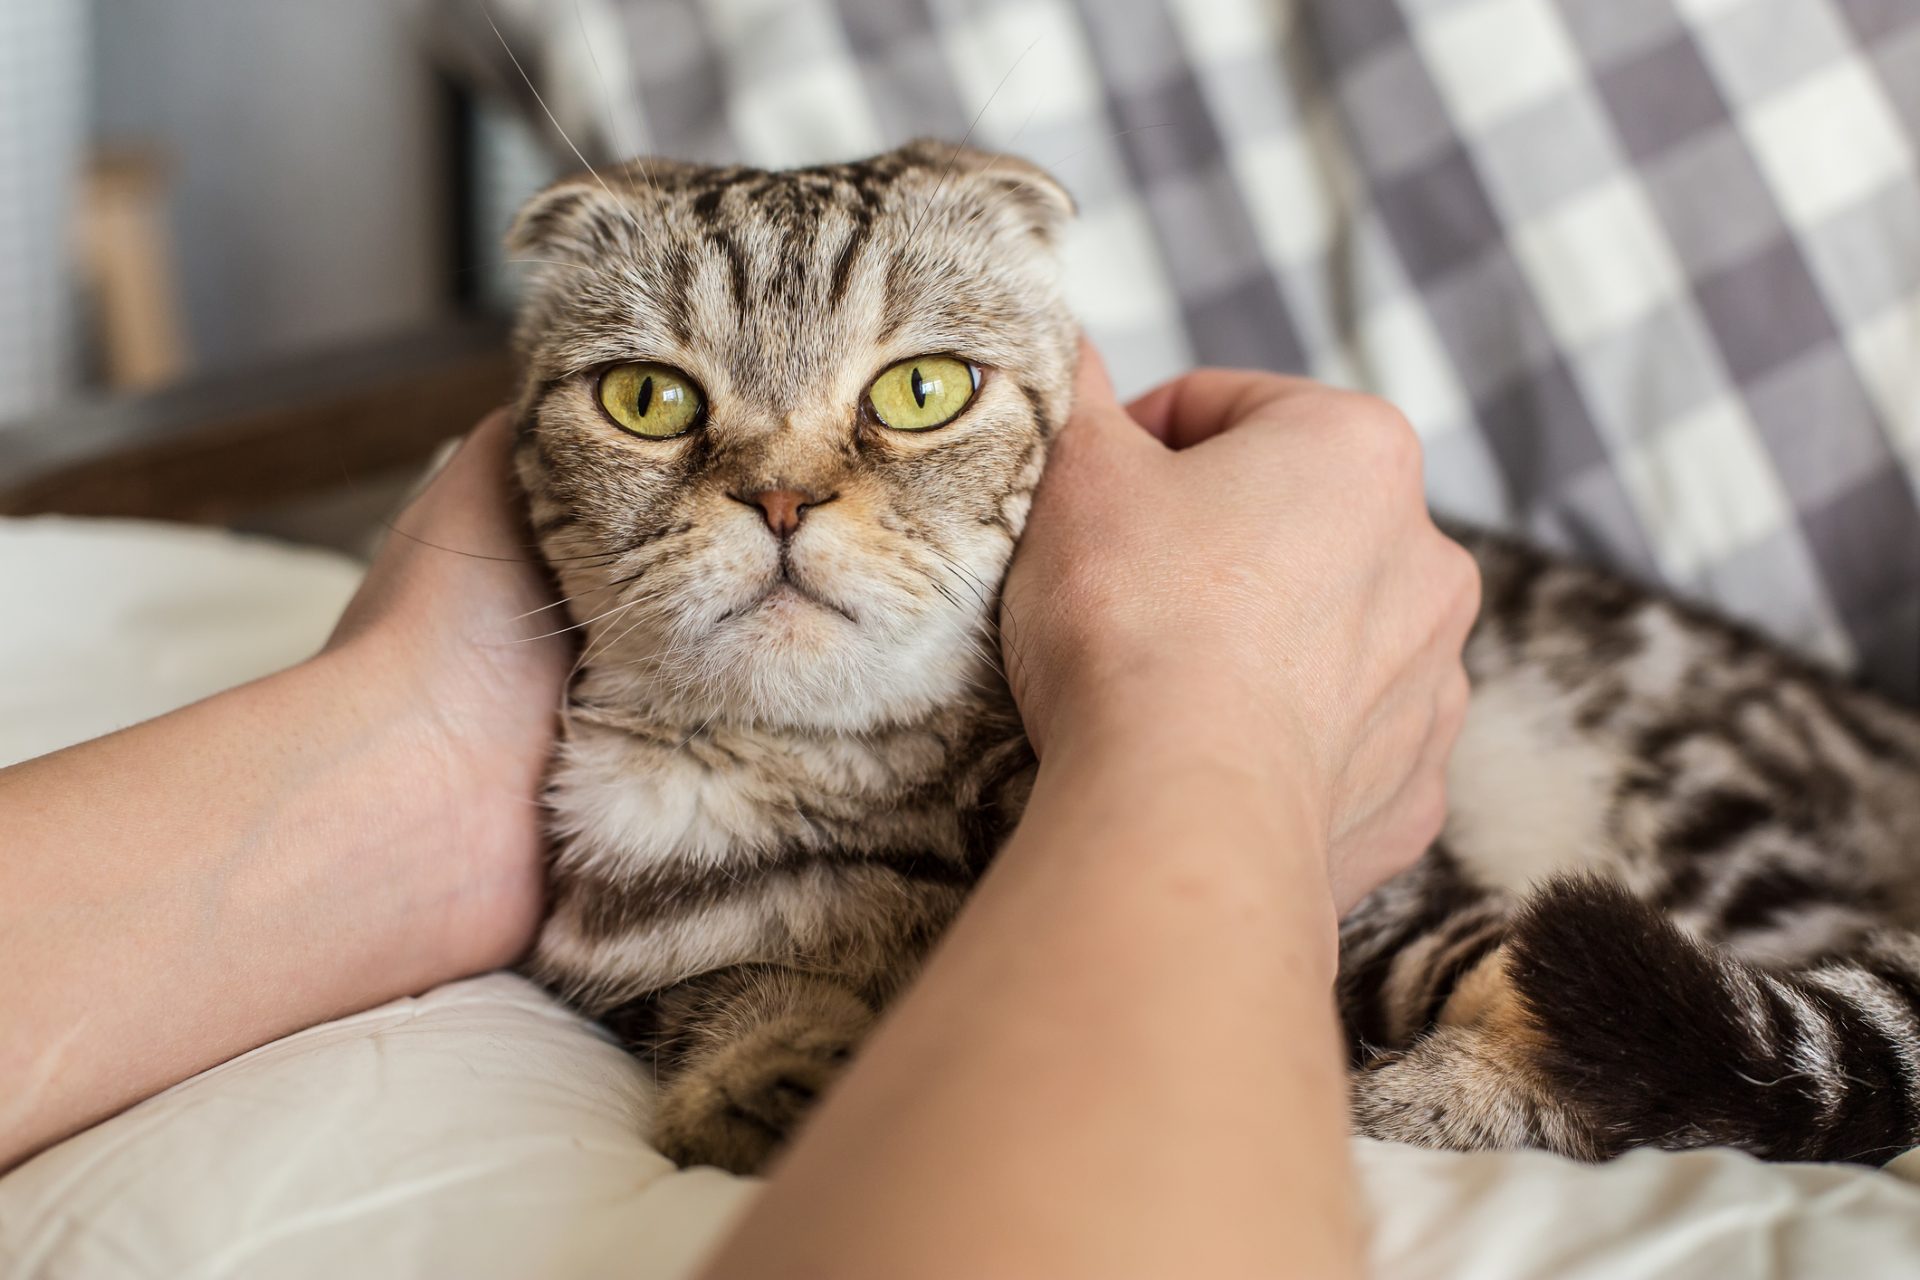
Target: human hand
(360,826)
(454,624)
(1245,560)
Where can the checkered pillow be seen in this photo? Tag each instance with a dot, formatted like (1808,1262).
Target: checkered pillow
(1645,273)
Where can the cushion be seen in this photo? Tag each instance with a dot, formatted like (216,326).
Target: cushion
(1644,273)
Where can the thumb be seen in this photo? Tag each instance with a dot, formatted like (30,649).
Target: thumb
(1091,385)
(1096,411)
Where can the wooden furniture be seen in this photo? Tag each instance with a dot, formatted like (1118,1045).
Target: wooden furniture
(124,254)
(315,448)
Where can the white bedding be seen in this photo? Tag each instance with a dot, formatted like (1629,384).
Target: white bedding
(479,1130)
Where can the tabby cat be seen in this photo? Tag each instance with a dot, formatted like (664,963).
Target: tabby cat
(779,432)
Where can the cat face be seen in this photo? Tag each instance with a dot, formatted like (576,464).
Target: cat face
(780,430)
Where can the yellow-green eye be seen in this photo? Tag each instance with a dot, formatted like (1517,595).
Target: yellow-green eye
(922,393)
(651,400)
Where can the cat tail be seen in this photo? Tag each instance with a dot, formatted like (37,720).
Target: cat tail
(1652,1038)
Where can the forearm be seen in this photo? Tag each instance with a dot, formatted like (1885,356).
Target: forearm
(1122,1060)
(204,882)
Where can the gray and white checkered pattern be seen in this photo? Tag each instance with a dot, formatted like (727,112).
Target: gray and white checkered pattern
(1645,273)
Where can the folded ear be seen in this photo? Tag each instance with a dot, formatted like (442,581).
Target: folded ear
(1022,184)
(589,210)
(573,212)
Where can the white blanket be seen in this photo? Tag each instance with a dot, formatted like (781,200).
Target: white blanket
(479,1130)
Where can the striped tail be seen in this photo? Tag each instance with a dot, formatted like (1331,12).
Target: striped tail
(1655,1039)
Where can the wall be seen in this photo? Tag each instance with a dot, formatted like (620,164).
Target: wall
(306,207)
(42,119)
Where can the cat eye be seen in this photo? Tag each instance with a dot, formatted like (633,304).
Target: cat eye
(923,393)
(652,400)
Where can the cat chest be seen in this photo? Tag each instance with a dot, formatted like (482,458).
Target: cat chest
(669,863)
(618,797)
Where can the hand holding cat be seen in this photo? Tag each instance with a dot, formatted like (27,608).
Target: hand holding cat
(1247,558)
(457,619)
(357,827)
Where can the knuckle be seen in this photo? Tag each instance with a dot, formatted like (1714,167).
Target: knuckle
(1466,574)
(1387,453)
(1456,696)
(1387,430)
(1429,805)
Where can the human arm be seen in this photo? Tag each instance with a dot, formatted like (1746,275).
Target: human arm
(358,827)
(1240,664)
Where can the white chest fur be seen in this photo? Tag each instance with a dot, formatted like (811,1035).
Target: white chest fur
(621,798)
(617,797)
(1527,794)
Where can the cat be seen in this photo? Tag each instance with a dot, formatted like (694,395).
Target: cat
(779,432)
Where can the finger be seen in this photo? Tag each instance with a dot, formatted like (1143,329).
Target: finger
(1096,411)
(1092,387)
(484,450)
(1468,598)
(1151,407)
(1396,833)
(1200,405)
(473,502)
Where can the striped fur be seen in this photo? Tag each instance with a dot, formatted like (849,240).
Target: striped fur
(1669,905)
(784,761)
(1667,909)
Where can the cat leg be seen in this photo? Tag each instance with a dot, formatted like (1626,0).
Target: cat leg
(742,1054)
(1405,948)
(1471,1083)
(1423,993)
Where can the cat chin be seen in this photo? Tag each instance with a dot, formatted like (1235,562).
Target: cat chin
(789,614)
(791,663)
(853,684)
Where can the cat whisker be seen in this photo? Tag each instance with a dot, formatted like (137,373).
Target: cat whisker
(614,553)
(392,528)
(486,11)
(992,662)
(1020,183)
(1115,136)
(1012,138)
(606,99)
(941,587)
(543,608)
(619,608)
(591,555)
(1009,640)
(704,725)
(933,197)
(549,262)
(632,577)
(969,580)
(974,642)
(612,641)
(388,524)
(1007,146)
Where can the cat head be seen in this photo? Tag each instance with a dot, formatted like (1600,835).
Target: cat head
(779,430)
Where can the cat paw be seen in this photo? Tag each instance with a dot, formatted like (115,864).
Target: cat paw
(1461,1089)
(737,1108)
(1397,1103)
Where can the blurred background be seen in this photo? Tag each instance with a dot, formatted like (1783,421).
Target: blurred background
(1645,274)
(216,209)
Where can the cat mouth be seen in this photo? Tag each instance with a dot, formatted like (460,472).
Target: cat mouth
(784,589)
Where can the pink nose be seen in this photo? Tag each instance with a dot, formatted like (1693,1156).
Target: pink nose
(783,508)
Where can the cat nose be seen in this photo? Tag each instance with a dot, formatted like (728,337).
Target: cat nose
(783,508)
